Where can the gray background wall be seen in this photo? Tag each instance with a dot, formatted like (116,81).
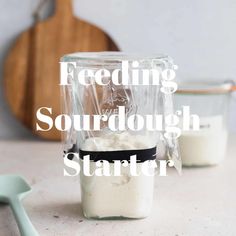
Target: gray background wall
(199,35)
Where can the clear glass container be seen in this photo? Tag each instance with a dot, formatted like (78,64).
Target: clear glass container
(210,101)
(114,196)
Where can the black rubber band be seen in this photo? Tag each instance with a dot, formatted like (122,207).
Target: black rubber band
(141,155)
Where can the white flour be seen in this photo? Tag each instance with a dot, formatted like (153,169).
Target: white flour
(117,196)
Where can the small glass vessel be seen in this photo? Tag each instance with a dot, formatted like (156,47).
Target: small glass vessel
(210,101)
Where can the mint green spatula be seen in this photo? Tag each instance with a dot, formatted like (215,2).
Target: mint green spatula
(12,189)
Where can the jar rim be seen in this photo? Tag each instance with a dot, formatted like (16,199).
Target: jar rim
(113,56)
(206,87)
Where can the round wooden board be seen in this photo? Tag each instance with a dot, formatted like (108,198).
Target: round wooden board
(31,73)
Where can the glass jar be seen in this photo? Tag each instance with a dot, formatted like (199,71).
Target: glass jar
(210,101)
(114,196)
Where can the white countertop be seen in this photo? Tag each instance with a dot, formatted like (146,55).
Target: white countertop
(201,202)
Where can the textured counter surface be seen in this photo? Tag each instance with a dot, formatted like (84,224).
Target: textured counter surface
(201,202)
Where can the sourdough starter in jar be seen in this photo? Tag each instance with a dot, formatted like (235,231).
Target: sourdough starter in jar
(117,196)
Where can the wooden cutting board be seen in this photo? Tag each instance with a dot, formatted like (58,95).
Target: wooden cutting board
(31,73)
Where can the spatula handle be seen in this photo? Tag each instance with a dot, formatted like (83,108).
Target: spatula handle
(25,226)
